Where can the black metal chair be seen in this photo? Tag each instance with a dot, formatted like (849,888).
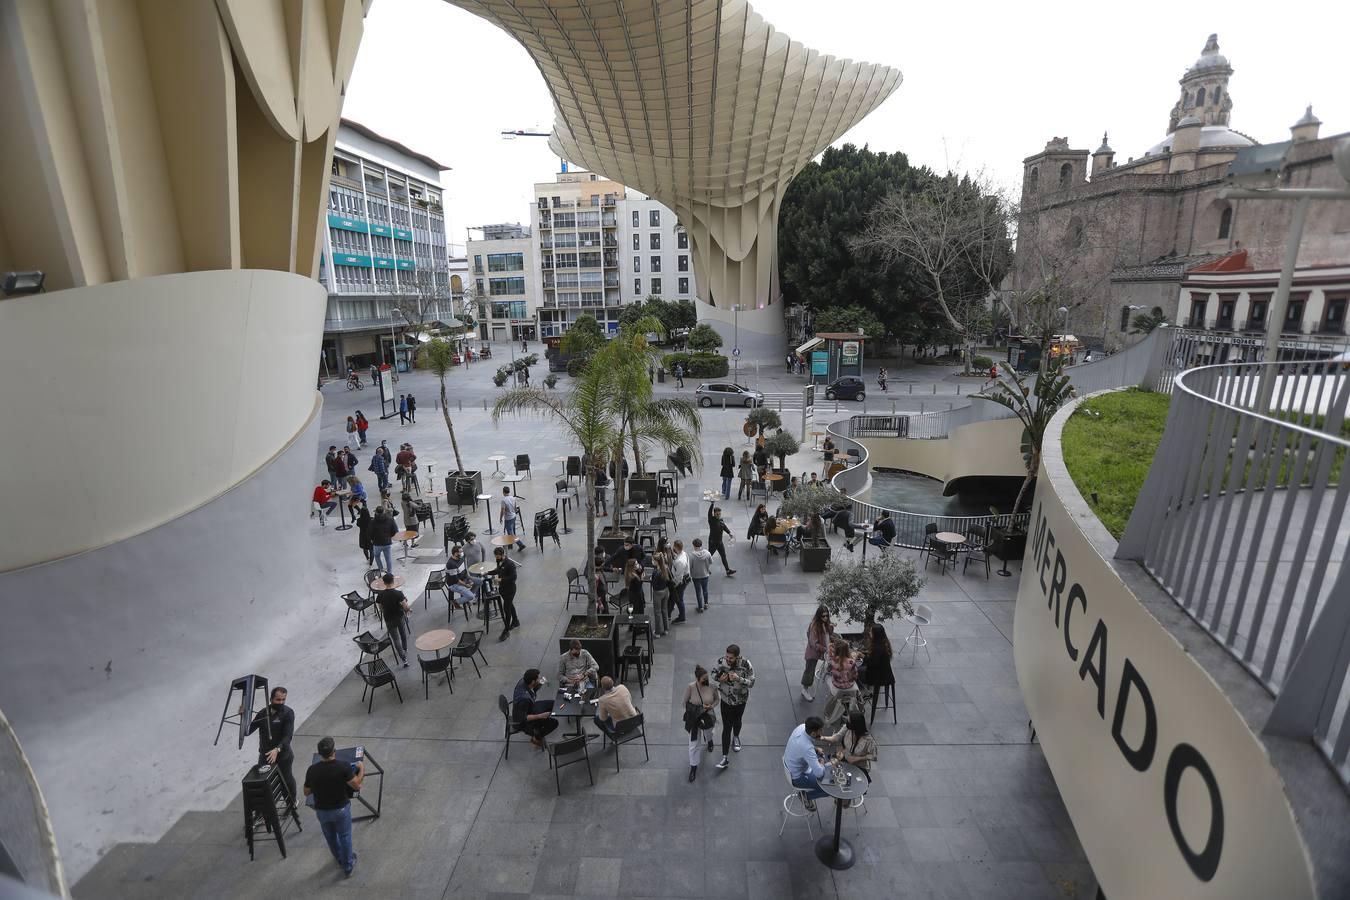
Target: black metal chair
(977,549)
(467,647)
(929,542)
(435,582)
(775,541)
(546,526)
(574,468)
(510,725)
(422,512)
(456,532)
(371,645)
(356,604)
(625,731)
(438,666)
(523,465)
(371,580)
(375,673)
(568,752)
(647,536)
(639,659)
(576,588)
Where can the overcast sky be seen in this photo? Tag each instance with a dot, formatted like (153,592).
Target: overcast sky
(985,84)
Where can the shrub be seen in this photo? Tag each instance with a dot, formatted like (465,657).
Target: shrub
(551,380)
(500,378)
(576,366)
(698,365)
(704,338)
(981,362)
(762,417)
(874,593)
(781,445)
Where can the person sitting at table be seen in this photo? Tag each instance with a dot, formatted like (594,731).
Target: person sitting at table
(458,580)
(535,716)
(758,523)
(856,746)
(629,551)
(813,530)
(323,495)
(791,488)
(803,762)
(615,705)
(883,530)
(577,667)
(474,553)
(815,479)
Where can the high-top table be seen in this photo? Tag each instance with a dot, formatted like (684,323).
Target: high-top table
(496,460)
(844,782)
(487,504)
(407,538)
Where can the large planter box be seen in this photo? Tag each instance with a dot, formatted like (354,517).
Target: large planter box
(815,556)
(602,647)
(611,540)
(643,490)
(466,497)
(1007,545)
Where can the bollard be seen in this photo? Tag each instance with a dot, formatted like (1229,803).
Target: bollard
(911,388)
(920,407)
(935,388)
(958,389)
(461,404)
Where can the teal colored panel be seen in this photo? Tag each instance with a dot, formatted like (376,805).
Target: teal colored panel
(382,262)
(348,224)
(402,235)
(406,264)
(350,259)
(379,229)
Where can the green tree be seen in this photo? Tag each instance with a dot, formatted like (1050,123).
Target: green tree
(762,417)
(1035,400)
(704,339)
(438,355)
(781,445)
(588,420)
(879,591)
(1144,323)
(584,337)
(850,318)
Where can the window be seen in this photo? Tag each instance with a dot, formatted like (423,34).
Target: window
(1256,312)
(1124,318)
(637,282)
(565,260)
(1032,177)
(1198,304)
(1215,99)
(637,264)
(1293,314)
(506,262)
(654,218)
(499,286)
(655,240)
(1065,175)
(1200,97)
(682,262)
(512,309)
(1333,319)
(684,285)
(1225,222)
(656,264)
(637,218)
(1227,303)
(637,242)
(656,287)
(682,240)
(1073,235)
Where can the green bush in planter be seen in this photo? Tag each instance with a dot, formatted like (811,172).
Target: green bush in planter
(879,591)
(808,500)
(500,378)
(697,365)
(764,418)
(781,445)
(576,366)
(981,362)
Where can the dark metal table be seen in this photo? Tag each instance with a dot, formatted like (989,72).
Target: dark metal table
(573,709)
(372,770)
(836,852)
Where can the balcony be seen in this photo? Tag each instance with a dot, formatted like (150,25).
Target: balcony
(545,224)
(609,220)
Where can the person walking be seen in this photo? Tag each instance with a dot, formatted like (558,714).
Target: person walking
(734,677)
(817,645)
(660,589)
(746,472)
(728,471)
(394,606)
(382,531)
(699,562)
(679,375)
(716,529)
(506,586)
(363,522)
(507,513)
(353,437)
(374,374)
(700,716)
(680,576)
(881,378)
(403,409)
(341,467)
(362,426)
(275,725)
(332,783)
(379,464)
(412,408)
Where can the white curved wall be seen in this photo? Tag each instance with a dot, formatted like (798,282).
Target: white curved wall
(760,332)
(980,448)
(130,403)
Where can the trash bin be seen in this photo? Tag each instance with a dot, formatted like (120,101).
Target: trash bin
(661,375)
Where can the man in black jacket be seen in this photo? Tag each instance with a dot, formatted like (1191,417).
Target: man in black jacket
(506,585)
(275,725)
(382,531)
(717,528)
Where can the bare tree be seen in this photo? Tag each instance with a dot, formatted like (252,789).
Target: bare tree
(421,302)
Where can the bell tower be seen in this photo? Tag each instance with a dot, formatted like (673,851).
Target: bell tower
(1204,89)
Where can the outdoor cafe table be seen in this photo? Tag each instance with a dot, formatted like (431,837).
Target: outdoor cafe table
(343,497)
(572,706)
(407,538)
(836,852)
(435,641)
(377,583)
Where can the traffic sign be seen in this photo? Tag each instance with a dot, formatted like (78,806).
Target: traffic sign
(735,351)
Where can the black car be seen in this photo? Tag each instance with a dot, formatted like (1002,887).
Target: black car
(850,387)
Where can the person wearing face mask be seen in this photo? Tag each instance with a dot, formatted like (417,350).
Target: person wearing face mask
(577,668)
(275,725)
(700,703)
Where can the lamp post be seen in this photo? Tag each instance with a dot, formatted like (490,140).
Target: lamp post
(736,342)
(393,341)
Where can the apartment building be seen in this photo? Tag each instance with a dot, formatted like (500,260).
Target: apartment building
(385,246)
(599,245)
(505,283)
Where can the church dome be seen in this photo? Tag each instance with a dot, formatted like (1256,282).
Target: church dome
(1211,137)
(1210,58)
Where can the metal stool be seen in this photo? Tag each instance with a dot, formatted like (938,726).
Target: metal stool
(788,812)
(639,659)
(921,616)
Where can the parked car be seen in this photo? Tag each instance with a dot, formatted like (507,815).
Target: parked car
(850,387)
(726,393)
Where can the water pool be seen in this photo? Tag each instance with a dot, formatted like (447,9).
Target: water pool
(909,492)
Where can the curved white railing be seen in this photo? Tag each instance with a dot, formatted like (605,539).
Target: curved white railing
(1243,521)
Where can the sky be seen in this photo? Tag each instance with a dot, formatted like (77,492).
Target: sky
(985,84)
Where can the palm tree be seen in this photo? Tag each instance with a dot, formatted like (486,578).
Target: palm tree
(1145,322)
(438,356)
(1035,403)
(587,418)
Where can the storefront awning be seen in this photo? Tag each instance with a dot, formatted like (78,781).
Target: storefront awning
(814,342)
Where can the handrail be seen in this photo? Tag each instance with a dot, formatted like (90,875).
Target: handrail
(1242,520)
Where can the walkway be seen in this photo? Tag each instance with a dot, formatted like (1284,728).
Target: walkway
(962,805)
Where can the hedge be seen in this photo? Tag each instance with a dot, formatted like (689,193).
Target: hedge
(698,365)
(981,362)
(576,365)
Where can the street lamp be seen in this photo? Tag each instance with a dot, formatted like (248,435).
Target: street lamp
(393,341)
(736,343)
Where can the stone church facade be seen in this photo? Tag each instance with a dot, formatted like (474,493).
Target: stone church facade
(1126,235)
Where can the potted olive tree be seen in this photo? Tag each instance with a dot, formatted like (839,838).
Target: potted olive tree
(870,594)
(806,501)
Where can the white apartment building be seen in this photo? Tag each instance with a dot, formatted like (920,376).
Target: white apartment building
(505,282)
(598,246)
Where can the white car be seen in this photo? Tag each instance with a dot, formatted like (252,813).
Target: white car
(727,393)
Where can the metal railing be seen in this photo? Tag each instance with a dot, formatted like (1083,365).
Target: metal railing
(1188,348)
(923,426)
(1243,521)
(911,529)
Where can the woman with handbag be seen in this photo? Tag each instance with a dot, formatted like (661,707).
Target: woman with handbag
(746,471)
(700,701)
(632,580)
(817,645)
(660,589)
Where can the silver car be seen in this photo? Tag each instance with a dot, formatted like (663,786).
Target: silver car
(727,393)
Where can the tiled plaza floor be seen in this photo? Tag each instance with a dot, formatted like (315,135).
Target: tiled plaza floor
(961,805)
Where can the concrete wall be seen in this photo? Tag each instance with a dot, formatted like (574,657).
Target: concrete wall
(131,403)
(980,448)
(761,332)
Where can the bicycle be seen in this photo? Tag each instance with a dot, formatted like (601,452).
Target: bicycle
(354,383)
